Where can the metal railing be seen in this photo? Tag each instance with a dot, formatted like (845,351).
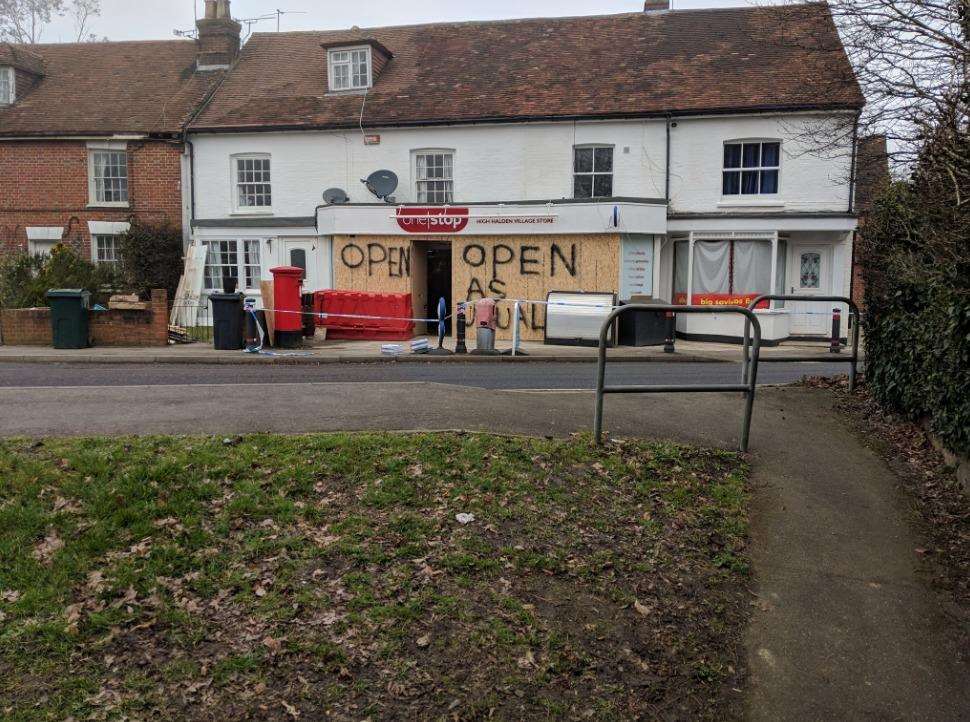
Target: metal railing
(853,360)
(200,329)
(748,388)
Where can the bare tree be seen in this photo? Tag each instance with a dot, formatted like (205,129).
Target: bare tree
(910,59)
(24,21)
(83,11)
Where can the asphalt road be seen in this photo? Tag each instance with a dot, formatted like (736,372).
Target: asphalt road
(495,376)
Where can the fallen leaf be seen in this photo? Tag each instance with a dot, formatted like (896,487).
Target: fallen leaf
(273,645)
(424,641)
(48,548)
(290,709)
(11,596)
(527,661)
(642,609)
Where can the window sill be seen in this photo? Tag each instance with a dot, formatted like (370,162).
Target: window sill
(109,205)
(249,214)
(754,202)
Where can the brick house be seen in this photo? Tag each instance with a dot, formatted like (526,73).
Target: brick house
(91,135)
(872,177)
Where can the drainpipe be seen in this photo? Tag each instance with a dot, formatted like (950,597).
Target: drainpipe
(667,165)
(852,169)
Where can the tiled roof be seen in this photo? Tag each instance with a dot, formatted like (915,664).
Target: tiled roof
(629,65)
(108,88)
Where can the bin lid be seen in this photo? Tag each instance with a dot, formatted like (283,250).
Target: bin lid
(68,293)
(287,271)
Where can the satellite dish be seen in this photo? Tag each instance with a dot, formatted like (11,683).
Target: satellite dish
(335,196)
(381,183)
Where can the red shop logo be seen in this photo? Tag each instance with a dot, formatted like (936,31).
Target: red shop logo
(432,220)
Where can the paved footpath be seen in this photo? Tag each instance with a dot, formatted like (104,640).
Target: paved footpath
(843,629)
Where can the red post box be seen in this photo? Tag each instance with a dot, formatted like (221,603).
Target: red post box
(287,297)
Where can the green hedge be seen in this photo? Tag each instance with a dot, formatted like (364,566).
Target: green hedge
(152,257)
(915,256)
(25,279)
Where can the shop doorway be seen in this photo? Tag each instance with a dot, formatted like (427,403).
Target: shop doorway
(439,281)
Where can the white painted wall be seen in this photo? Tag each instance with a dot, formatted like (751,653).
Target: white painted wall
(521,162)
(810,179)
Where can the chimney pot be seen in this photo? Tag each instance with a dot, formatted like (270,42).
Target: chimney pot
(210,9)
(653,6)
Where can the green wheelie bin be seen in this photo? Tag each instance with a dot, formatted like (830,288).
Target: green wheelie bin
(69,317)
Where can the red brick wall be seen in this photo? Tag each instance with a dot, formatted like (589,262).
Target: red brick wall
(32,326)
(26,327)
(45,183)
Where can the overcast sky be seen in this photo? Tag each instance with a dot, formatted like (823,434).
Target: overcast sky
(147,19)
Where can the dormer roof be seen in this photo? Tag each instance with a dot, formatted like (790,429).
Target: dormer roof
(15,56)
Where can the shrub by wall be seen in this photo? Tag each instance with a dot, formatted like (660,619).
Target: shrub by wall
(915,254)
(152,257)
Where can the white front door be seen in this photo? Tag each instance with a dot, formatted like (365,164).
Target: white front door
(810,269)
(313,256)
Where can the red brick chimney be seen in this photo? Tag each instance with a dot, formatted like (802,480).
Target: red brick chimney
(219,37)
(652,6)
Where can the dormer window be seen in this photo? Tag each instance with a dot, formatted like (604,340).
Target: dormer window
(350,69)
(8,89)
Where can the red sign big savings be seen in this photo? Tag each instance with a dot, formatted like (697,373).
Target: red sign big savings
(432,220)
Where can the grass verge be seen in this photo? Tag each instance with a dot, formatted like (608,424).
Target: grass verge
(329,576)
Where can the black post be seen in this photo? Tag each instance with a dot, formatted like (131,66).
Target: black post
(460,329)
(671,333)
(836,345)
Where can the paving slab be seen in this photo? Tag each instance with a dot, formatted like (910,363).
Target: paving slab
(331,352)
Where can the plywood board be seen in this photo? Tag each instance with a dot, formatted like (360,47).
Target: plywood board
(528,268)
(513,267)
(266,291)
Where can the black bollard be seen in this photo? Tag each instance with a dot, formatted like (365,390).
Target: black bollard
(836,345)
(461,326)
(671,333)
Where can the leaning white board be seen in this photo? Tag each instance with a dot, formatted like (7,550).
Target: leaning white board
(577,318)
(188,297)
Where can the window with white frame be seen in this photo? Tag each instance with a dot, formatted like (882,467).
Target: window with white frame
(107,249)
(108,177)
(253,178)
(434,174)
(238,260)
(751,168)
(8,89)
(350,69)
(593,172)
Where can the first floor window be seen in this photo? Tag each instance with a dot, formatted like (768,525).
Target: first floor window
(236,260)
(434,172)
(593,172)
(107,249)
(109,176)
(6,86)
(751,169)
(254,189)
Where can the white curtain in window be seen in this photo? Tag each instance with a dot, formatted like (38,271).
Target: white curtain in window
(711,267)
(752,267)
(681,249)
